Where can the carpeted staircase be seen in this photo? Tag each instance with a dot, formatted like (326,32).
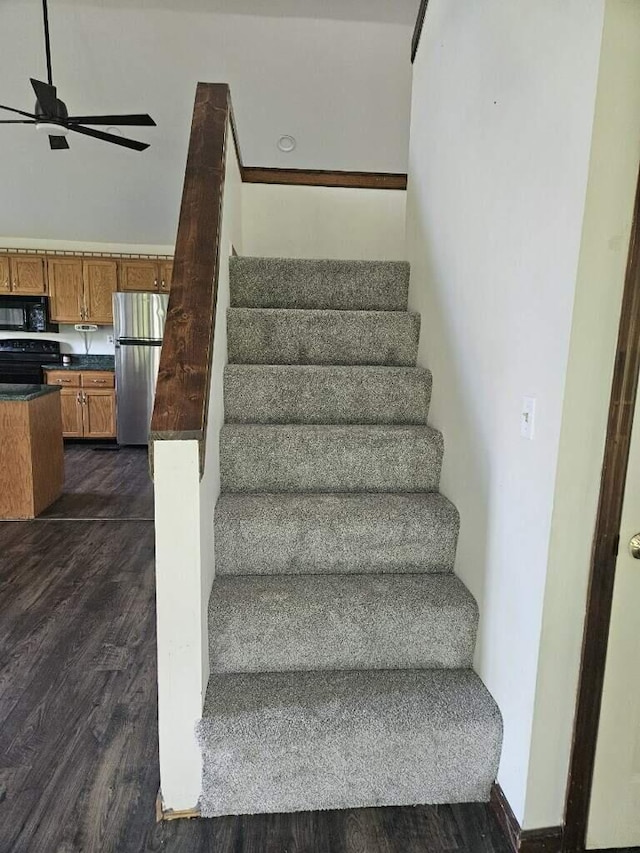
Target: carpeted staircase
(341,641)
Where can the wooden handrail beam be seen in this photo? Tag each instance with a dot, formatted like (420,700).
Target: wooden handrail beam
(184,376)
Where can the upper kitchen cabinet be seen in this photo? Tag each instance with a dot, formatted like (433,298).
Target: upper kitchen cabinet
(150,275)
(5,280)
(66,291)
(166,272)
(22,274)
(81,290)
(100,283)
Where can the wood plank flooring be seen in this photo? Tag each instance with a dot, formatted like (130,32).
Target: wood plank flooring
(106,482)
(78,715)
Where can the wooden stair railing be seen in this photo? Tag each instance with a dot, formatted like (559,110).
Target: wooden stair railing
(184,376)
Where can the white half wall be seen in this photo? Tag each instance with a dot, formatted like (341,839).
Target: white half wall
(323,222)
(502,115)
(185,569)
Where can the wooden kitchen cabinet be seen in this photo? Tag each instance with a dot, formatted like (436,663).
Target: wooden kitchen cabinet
(81,291)
(22,274)
(71,403)
(99,413)
(166,273)
(148,275)
(27,275)
(88,400)
(5,280)
(66,290)
(100,283)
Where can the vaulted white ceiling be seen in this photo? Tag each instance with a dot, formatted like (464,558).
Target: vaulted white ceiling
(335,74)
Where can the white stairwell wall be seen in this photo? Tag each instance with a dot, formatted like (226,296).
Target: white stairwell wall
(185,550)
(502,115)
(323,222)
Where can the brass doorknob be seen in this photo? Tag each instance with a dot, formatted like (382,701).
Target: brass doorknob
(634,546)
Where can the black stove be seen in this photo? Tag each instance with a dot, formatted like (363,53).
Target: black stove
(21,359)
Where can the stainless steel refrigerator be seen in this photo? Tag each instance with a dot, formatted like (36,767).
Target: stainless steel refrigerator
(139,320)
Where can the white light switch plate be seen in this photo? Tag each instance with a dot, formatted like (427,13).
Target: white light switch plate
(528,418)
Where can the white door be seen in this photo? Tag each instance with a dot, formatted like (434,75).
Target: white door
(614,818)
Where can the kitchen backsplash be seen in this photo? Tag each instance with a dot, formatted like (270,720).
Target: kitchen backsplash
(100,342)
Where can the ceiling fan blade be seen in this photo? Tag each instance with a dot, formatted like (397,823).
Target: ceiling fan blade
(17,112)
(46,95)
(17,121)
(58,142)
(134,120)
(109,137)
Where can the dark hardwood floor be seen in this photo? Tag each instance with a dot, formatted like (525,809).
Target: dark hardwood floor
(104,482)
(78,728)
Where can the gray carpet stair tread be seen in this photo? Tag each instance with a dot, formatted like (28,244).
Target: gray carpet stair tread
(284,742)
(278,623)
(312,394)
(333,458)
(302,283)
(311,533)
(274,336)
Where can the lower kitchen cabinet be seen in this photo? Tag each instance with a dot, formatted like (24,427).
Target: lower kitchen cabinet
(99,415)
(88,400)
(71,403)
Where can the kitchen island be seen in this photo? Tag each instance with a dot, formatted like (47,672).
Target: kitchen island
(31,449)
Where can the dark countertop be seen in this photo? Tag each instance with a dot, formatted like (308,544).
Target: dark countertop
(24,393)
(85,362)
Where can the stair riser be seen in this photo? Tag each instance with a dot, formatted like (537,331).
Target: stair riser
(278,624)
(326,395)
(353,742)
(331,534)
(330,459)
(291,283)
(337,337)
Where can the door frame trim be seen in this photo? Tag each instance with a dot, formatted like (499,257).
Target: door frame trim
(624,388)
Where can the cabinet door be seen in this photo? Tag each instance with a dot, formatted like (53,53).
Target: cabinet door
(138,275)
(100,283)
(99,414)
(71,413)
(65,290)
(5,281)
(166,271)
(27,274)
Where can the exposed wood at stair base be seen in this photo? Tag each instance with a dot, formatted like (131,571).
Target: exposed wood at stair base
(605,548)
(182,392)
(417,32)
(325,178)
(548,840)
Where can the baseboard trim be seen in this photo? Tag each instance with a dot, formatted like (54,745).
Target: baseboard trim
(325,178)
(173,814)
(547,840)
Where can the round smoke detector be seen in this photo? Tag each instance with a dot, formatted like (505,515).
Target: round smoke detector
(286,143)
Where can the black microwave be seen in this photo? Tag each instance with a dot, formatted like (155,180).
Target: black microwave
(25,314)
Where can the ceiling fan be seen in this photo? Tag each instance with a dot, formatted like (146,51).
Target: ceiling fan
(51,117)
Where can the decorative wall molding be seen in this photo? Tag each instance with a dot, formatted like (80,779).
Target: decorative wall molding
(325,178)
(74,253)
